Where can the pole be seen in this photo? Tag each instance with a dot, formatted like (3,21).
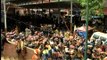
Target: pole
(87,19)
(59,13)
(71,17)
(5,21)
(49,8)
(42,8)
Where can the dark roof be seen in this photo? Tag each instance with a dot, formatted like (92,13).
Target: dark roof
(20,1)
(63,4)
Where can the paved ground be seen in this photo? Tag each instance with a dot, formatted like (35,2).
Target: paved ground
(9,53)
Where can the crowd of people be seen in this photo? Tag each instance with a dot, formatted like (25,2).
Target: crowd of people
(39,17)
(57,45)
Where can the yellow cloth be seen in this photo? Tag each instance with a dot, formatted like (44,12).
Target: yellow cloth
(66,35)
(49,47)
(22,45)
(45,51)
(56,31)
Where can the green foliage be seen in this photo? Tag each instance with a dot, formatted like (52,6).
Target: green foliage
(95,7)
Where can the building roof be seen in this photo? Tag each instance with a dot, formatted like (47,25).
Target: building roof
(62,4)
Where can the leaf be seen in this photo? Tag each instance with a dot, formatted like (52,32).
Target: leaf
(94,5)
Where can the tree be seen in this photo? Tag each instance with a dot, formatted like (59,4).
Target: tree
(95,7)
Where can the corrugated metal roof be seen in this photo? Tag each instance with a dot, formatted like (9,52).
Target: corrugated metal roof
(29,4)
(63,4)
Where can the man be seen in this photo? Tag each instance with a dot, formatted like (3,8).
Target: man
(36,55)
(32,29)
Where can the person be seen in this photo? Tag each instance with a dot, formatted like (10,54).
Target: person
(32,28)
(21,49)
(36,55)
(2,41)
(27,32)
(105,58)
(45,54)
